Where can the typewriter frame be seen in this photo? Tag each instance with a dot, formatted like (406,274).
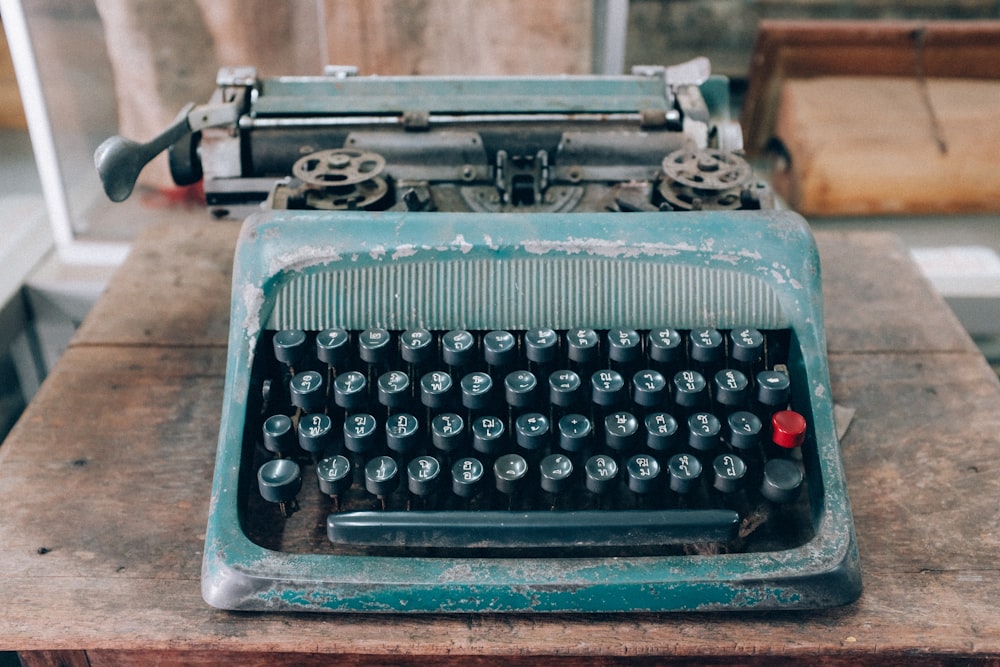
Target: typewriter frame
(754,268)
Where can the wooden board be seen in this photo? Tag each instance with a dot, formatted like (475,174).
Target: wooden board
(889,145)
(106,481)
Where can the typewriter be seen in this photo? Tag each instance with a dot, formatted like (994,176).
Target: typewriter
(510,345)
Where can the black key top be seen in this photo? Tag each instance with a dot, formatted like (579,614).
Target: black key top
(488,435)
(381,476)
(556,473)
(334,475)
(661,432)
(509,473)
(359,433)
(436,390)
(730,388)
(744,430)
(607,388)
(289,346)
(374,346)
(642,474)
(458,348)
(541,345)
(279,481)
(416,346)
(394,389)
(504,529)
(447,432)
(565,389)
(520,389)
(649,388)
(350,391)
(704,432)
(402,433)
(705,345)
(621,431)
(600,474)
(575,432)
(315,432)
(423,476)
(728,471)
(278,435)
(683,473)
(307,391)
(582,345)
(773,388)
(499,348)
(531,431)
(690,389)
(624,345)
(666,346)
(333,346)
(477,391)
(746,345)
(467,477)
(782,481)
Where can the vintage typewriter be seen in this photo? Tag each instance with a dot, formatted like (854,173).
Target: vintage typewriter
(510,344)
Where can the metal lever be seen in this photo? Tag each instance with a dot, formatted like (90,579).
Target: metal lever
(119,161)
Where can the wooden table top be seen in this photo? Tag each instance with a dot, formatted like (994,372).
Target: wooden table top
(105,481)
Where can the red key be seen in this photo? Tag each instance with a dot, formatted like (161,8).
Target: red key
(788,429)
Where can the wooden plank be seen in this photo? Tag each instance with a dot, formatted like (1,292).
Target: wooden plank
(883,145)
(513,37)
(787,49)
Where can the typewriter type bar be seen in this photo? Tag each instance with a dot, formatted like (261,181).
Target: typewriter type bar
(379,549)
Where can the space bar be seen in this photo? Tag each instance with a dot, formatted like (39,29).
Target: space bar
(500,529)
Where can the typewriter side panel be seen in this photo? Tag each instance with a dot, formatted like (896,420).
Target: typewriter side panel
(774,249)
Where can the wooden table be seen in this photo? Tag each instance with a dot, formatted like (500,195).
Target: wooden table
(105,481)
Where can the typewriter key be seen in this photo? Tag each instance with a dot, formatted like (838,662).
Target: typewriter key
(600,473)
(402,433)
(582,345)
(788,429)
(531,431)
(334,476)
(782,481)
(661,432)
(381,477)
(308,391)
(359,433)
(499,348)
(690,389)
(520,389)
(447,432)
(278,435)
(773,389)
(607,388)
(744,430)
(730,388)
(350,390)
(642,473)
(574,432)
(315,432)
(541,345)
(565,389)
(705,345)
(509,473)
(556,473)
(394,389)
(621,430)
(416,346)
(332,346)
(374,346)
(467,477)
(289,346)
(683,471)
(423,476)
(704,432)
(458,348)
(279,481)
(477,391)
(746,345)
(649,388)
(624,345)
(666,346)
(436,390)
(728,472)
(488,435)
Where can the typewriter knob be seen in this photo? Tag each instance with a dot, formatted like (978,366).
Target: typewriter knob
(307,391)
(334,475)
(488,435)
(519,389)
(782,481)
(704,432)
(402,433)
(600,473)
(289,346)
(499,348)
(381,477)
(661,432)
(393,389)
(467,477)
(278,435)
(556,473)
(423,475)
(607,388)
(565,388)
(744,430)
(279,481)
(477,390)
(684,471)
(435,390)
(788,429)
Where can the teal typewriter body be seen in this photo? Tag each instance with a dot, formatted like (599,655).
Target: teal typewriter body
(511,345)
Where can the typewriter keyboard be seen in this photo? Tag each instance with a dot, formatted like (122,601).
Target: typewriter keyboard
(583,441)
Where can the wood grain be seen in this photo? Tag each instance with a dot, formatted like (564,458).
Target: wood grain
(106,479)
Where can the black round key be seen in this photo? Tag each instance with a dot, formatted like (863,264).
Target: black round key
(333,346)
(649,388)
(531,431)
(624,345)
(782,481)
(600,472)
(279,480)
(690,389)
(509,473)
(666,346)
(447,432)
(575,432)
(520,389)
(416,346)
(278,435)
(773,388)
(582,345)
(315,432)
(374,345)
(556,473)
(730,387)
(541,345)
(704,432)
(458,348)
(728,471)
(499,348)
(334,475)
(565,388)
(477,390)
(307,391)
(350,390)
(402,433)
(642,474)
(683,471)
(744,430)
(289,346)
(621,431)
(746,345)
(394,389)
(381,476)
(436,390)
(423,476)
(467,477)
(607,388)
(489,435)
(705,345)
(359,433)
(661,432)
